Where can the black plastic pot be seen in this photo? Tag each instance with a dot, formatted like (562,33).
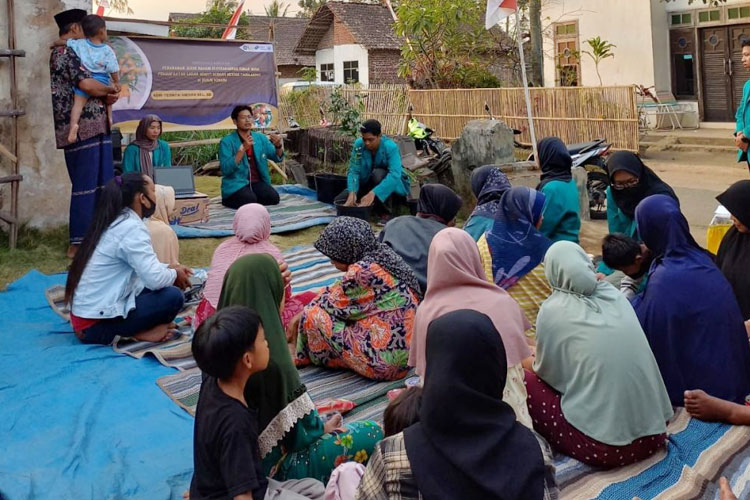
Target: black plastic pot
(358,212)
(328,186)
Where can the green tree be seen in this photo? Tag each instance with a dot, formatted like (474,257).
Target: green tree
(119,6)
(446,45)
(308,7)
(276,9)
(218,12)
(600,50)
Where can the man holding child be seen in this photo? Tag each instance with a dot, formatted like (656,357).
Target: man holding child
(89,157)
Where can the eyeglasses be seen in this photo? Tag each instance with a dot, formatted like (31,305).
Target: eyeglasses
(625,185)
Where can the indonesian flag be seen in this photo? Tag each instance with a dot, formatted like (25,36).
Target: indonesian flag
(231,32)
(103,4)
(497,10)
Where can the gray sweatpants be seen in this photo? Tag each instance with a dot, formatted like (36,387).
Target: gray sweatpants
(295,489)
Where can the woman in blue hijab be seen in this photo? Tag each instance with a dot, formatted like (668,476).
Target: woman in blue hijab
(488,183)
(688,311)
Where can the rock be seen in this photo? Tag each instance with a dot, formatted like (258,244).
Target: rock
(482,142)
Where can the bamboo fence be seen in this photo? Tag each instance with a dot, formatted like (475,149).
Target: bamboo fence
(575,114)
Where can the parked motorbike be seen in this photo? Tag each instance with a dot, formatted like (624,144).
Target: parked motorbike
(434,150)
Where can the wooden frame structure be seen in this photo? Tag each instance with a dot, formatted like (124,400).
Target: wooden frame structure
(11,216)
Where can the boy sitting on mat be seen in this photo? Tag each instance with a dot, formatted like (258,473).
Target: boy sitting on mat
(229,348)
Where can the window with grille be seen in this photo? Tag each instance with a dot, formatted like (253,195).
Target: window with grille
(568,62)
(351,71)
(326,73)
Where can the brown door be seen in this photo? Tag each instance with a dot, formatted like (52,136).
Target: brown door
(723,74)
(717,90)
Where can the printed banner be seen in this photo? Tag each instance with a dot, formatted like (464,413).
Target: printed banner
(192,84)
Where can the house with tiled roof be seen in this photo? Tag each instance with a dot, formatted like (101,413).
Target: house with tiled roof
(284,32)
(352,42)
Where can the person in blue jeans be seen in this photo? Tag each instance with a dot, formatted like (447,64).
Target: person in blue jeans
(116,285)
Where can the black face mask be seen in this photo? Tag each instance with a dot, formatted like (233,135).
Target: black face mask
(148,212)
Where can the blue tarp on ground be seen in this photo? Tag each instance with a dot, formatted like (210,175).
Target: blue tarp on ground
(77,421)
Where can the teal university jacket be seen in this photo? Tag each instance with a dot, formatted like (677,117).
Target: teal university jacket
(362,163)
(743,121)
(235,176)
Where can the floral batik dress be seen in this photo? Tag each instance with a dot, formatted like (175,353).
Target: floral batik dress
(363,323)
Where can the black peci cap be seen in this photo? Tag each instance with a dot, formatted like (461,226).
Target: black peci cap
(70,16)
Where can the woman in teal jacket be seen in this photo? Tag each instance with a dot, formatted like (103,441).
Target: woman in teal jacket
(147,151)
(561,218)
(243,157)
(375,169)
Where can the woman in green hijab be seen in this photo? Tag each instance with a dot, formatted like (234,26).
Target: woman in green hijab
(294,442)
(597,394)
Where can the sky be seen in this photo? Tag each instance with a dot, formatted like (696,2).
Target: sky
(158,10)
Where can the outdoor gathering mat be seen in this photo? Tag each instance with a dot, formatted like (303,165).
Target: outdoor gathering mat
(299,208)
(311,271)
(85,422)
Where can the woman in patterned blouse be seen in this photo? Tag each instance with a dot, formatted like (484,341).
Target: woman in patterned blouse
(365,321)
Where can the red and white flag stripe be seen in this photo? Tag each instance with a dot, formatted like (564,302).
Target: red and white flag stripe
(231,32)
(497,10)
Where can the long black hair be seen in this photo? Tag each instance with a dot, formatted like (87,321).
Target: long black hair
(118,194)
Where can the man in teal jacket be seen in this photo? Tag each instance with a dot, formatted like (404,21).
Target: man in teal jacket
(243,157)
(375,170)
(742,130)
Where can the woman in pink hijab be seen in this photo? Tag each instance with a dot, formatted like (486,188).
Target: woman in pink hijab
(455,281)
(252,230)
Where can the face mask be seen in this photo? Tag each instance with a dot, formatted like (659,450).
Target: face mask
(148,212)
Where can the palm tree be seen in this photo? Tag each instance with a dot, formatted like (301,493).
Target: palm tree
(276,9)
(600,50)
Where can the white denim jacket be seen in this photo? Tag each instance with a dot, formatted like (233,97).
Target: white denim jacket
(122,265)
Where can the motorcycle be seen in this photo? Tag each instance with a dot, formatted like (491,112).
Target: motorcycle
(434,150)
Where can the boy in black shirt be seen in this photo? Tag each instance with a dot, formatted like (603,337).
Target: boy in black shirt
(230,347)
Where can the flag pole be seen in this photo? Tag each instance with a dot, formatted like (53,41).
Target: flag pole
(532,132)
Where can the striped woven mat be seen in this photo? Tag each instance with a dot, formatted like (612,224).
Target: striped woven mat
(322,384)
(298,208)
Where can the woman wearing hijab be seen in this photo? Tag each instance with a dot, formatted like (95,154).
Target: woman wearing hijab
(562,220)
(410,236)
(364,322)
(147,151)
(630,183)
(512,252)
(734,252)
(456,281)
(467,443)
(252,230)
(163,237)
(688,311)
(294,442)
(596,394)
(488,183)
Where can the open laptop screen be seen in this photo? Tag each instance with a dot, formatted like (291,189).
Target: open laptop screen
(180,178)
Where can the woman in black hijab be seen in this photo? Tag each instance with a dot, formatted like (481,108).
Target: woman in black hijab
(734,253)
(561,218)
(467,443)
(410,236)
(630,182)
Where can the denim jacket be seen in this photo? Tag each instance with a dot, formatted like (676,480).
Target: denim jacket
(122,265)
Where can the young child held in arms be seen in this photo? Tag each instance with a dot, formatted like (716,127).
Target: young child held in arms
(100,60)
(229,348)
(630,257)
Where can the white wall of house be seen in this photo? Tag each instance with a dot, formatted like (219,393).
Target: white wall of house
(340,54)
(627,24)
